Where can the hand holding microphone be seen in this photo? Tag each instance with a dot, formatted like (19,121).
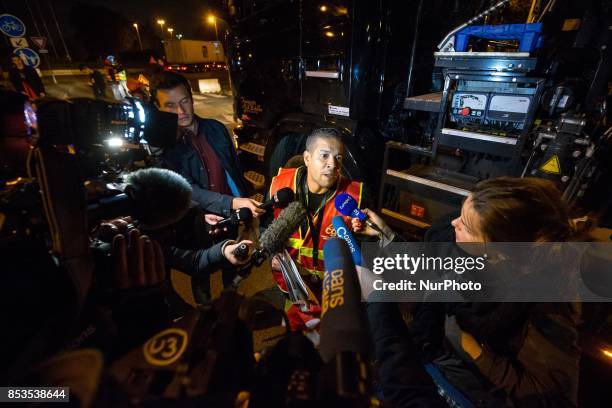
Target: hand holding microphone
(253,206)
(280,199)
(347,206)
(237,253)
(272,240)
(212,221)
(363,228)
(219,224)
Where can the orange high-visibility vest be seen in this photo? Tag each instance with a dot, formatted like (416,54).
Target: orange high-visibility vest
(300,245)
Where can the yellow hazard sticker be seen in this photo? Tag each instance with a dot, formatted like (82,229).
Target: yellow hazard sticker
(552,165)
(165,347)
(571,24)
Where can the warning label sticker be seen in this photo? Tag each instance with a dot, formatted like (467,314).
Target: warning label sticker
(552,165)
(338,110)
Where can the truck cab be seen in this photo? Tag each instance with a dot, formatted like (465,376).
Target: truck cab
(408,111)
(301,65)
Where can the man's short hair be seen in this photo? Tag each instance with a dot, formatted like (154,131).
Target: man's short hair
(322,133)
(167,80)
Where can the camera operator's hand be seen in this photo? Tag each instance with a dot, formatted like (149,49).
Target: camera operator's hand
(240,202)
(137,261)
(228,251)
(107,230)
(212,220)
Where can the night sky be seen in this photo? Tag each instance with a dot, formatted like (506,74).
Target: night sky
(184,16)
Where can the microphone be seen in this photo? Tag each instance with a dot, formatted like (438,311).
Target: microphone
(345,233)
(273,239)
(280,199)
(344,334)
(241,252)
(159,197)
(347,206)
(241,215)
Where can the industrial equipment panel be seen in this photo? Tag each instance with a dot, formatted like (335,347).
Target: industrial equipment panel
(468,107)
(508,110)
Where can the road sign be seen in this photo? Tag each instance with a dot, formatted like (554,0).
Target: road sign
(39,42)
(19,42)
(12,26)
(28,56)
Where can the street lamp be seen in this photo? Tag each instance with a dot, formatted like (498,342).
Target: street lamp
(170,30)
(213,20)
(138,35)
(161,25)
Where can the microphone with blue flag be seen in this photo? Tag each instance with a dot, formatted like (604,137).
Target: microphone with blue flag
(347,206)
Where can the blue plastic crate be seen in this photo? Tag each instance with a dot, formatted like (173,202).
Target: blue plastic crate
(529,35)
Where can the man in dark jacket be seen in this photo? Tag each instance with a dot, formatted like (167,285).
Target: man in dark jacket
(205,155)
(25,79)
(204,152)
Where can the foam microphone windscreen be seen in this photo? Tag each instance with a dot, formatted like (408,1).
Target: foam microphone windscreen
(160,197)
(343,320)
(274,237)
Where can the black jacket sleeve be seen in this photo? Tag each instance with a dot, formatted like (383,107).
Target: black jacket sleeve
(176,159)
(404,381)
(196,262)
(211,201)
(545,370)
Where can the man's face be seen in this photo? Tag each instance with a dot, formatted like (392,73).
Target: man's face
(177,100)
(323,162)
(17,61)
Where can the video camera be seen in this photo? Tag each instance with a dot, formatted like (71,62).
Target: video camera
(106,139)
(85,123)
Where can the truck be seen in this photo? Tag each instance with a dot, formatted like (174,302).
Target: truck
(194,55)
(423,120)
(431,97)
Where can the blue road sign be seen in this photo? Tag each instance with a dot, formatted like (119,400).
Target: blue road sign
(12,26)
(28,56)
